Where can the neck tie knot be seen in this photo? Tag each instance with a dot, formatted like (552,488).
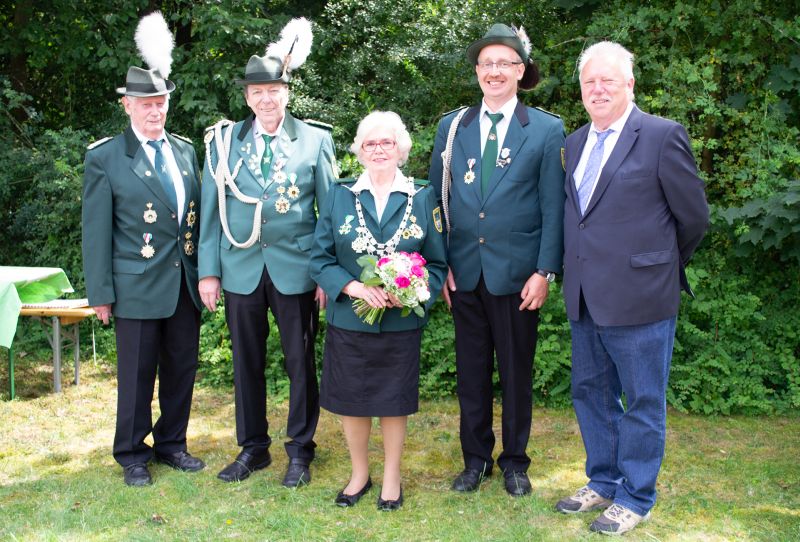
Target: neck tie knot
(156,144)
(590,175)
(495,118)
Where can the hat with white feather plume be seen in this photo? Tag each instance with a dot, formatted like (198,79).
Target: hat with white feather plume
(282,57)
(517,39)
(154,42)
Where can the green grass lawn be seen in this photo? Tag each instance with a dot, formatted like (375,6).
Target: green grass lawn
(730,478)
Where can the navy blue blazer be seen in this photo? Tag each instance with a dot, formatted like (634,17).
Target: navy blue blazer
(515,228)
(647,215)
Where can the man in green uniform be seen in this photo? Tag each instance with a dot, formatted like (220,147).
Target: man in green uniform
(141,199)
(505,203)
(263,177)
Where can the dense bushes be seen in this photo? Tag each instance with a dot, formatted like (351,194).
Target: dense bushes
(729,71)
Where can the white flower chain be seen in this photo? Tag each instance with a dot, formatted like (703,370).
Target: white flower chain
(366,242)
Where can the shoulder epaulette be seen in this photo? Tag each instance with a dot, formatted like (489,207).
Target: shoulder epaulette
(421,182)
(457,109)
(319,124)
(183,138)
(548,112)
(98,143)
(346,180)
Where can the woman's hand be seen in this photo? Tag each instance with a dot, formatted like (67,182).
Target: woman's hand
(375,296)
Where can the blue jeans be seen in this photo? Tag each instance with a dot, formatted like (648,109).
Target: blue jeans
(624,446)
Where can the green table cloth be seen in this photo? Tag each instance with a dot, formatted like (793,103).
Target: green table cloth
(20,285)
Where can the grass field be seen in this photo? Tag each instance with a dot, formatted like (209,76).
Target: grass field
(724,478)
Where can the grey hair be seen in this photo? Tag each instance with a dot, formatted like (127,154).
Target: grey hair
(383,119)
(617,52)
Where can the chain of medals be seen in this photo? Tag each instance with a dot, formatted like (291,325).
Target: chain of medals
(366,242)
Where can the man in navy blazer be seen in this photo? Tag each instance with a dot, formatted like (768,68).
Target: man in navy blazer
(634,214)
(504,247)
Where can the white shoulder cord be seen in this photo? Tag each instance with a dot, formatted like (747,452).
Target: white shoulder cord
(447,158)
(223,176)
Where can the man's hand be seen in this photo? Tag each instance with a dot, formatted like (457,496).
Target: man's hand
(209,292)
(449,286)
(534,293)
(103,313)
(321,298)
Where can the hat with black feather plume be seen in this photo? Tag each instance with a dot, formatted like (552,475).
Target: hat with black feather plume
(154,42)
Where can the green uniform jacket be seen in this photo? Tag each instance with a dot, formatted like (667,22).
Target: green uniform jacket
(119,184)
(333,260)
(517,227)
(307,156)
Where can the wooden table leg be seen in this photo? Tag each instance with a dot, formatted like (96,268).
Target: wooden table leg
(56,354)
(11,390)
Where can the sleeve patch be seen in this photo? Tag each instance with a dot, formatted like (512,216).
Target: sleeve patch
(437,219)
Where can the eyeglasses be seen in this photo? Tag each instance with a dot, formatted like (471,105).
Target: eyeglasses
(502,65)
(385,144)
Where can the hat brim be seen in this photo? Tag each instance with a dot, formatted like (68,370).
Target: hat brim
(144,93)
(263,79)
(475,48)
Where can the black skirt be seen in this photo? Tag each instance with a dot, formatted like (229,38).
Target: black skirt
(370,374)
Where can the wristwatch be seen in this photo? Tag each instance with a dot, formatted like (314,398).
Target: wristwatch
(548,275)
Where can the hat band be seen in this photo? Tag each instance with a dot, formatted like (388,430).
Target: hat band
(143,87)
(262,75)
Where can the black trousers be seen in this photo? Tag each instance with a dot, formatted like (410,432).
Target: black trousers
(297,318)
(167,347)
(486,324)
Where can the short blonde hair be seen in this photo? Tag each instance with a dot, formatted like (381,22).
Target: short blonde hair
(383,119)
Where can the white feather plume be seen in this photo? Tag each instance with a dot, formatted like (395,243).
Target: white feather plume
(155,43)
(523,37)
(296,38)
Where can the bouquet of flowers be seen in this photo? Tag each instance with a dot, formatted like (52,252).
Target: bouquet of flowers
(401,274)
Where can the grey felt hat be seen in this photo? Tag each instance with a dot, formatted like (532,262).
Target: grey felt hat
(265,69)
(142,83)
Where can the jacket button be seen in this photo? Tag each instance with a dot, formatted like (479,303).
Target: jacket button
(174,216)
(581,225)
(481,215)
(481,240)
(264,245)
(265,197)
(177,263)
(263,220)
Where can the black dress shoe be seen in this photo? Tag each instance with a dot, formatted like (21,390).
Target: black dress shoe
(297,473)
(391,506)
(244,464)
(182,460)
(137,475)
(469,480)
(517,483)
(344,500)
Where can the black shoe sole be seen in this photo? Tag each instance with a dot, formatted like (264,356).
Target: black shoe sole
(247,473)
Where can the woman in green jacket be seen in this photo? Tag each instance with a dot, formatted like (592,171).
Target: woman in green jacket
(373,369)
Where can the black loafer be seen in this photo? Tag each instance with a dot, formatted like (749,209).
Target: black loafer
(391,506)
(137,475)
(517,483)
(182,460)
(469,480)
(244,464)
(297,473)
(344,500)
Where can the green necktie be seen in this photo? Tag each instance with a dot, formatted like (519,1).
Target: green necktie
(160,165)
(266,160)
(489,161)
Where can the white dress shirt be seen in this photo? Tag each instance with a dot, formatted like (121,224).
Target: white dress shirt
(258,131)
(608,147)
(172,166)
(401,183)
(507,110)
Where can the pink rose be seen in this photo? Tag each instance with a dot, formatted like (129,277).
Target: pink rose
(383,261)
(402,282)
(417,259)
(417,271)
